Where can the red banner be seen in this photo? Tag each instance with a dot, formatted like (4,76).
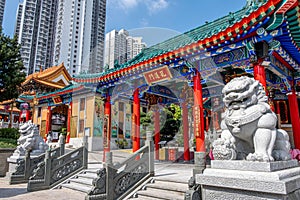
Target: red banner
(197,121)
(158,75)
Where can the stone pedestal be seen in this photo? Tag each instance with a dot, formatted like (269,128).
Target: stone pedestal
(250,180)
(4,154)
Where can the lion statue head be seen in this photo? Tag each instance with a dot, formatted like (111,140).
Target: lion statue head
(243,92)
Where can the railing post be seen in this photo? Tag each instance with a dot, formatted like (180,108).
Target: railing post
(27,165)
(48,160)
(110,171)
(109,159)
(150,144)
(61,145)
(85,151)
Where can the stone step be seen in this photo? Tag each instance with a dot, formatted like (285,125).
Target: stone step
(160,194)
(169,186)
(143,198)
(83,181)
(87,175)
(92,166)
(77,187)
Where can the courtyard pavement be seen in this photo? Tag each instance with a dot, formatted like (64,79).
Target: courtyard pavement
(174,171)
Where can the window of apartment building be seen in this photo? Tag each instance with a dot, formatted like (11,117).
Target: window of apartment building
(82,104)
(81,125)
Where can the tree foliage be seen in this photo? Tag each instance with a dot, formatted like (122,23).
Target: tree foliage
(11,68)
(172,122)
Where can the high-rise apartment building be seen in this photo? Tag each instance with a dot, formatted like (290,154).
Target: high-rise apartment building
(79,39)
(2,6)
(35,33)
(121,47)
(54,31)
(134,46)
(18,19)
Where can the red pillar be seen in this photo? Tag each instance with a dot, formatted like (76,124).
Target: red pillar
(27,115)
(136,121)
(198,114)
(69,123)
(294,113)
(107,127)
(20,116)
(185,122)
(48,121)
(157,133)
(260,75)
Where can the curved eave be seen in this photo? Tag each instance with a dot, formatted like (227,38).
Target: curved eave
(228,34)
(293,19)
(68,89)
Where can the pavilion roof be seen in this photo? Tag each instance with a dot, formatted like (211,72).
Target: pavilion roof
(50,77)
(210,35)
(66,90)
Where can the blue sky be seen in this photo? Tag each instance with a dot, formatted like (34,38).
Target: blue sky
(165,17)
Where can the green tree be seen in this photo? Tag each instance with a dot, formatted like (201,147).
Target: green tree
(172,122)
(11,69)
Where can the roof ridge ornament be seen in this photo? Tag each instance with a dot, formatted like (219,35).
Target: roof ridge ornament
(255,2)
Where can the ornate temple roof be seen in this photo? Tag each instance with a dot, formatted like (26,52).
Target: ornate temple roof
(54,77)
(66,90)
(213,35)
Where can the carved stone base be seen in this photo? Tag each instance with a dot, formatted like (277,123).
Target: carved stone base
(250,180)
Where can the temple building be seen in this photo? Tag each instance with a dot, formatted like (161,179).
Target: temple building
(261,40)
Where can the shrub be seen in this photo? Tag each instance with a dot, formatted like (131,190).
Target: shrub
(9,133)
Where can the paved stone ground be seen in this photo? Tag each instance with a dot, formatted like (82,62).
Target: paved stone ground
(174,171)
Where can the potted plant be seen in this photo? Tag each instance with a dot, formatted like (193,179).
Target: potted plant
(63,131)
(121,143)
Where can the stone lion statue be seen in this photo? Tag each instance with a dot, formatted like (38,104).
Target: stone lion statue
(30,140)
(249,125)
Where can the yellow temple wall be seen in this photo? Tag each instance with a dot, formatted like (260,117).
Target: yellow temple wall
(90,109)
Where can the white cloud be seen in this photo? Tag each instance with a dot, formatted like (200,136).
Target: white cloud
(156,5)
(127,4)
(144,22)
(153,6)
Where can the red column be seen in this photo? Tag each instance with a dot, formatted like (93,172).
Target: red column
(294,114)
(20,116)
(260,75)
(185,122)
(27,115)
(157,133)
(136,121)
(107,127)
(69,123)
(198,114)
(48,121)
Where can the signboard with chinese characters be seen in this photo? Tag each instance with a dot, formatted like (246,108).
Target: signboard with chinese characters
(197,120)
(57,100)
(106,131)
(158,75)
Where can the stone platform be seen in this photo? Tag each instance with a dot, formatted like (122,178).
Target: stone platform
(250,180)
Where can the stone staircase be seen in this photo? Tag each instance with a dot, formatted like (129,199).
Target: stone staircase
(156,188)
(161,188)
(84,180)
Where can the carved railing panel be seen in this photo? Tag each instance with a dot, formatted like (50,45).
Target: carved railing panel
(128,173)
(67,164)
(53,170)
(117,181)
(25,167)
